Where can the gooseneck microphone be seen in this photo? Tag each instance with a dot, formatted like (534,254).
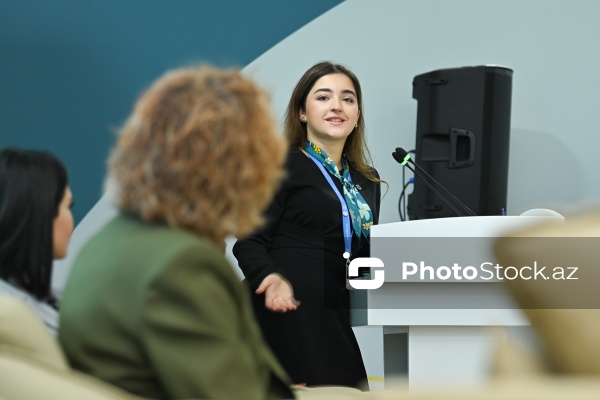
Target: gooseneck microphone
(404,162)
(402,157)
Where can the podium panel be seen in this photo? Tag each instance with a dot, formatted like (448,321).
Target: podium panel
(447,322)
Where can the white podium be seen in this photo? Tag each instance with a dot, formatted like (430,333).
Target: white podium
(443,322)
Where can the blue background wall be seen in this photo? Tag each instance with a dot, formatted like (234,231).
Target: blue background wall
(70,69)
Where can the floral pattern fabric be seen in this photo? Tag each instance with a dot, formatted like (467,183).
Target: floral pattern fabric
(360,212)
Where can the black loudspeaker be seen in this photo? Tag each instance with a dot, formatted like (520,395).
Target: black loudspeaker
(463,137)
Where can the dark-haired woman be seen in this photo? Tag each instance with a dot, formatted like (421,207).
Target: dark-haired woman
(320,218)
(35,227)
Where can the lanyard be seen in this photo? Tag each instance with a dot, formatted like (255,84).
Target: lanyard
(345,214)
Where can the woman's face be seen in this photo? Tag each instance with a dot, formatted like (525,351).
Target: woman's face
(331,109)
(63,225)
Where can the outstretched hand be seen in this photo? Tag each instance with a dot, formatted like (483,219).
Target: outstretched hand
(279,295)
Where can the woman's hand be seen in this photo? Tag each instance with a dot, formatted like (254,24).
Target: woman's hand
(279,295)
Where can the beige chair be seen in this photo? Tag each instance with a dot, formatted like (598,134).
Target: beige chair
(32,365)
(565,312)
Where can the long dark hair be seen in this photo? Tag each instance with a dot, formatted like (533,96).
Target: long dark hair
(32,185)
(355,148)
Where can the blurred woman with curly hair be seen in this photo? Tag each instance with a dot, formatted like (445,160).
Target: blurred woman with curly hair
(151,304)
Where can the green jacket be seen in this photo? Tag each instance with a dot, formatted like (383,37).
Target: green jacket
(160,312)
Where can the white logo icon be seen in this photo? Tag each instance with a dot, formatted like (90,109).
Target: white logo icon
(366,262)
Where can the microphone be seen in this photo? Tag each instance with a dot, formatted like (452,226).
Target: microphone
(404,162)
(402,157)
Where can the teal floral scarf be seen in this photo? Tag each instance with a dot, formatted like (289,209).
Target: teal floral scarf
(360,212)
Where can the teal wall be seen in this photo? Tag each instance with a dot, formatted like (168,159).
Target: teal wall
(71,69)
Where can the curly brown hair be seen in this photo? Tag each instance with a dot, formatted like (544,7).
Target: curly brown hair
(200,151)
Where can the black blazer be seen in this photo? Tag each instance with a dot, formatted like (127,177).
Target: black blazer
(303,241)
